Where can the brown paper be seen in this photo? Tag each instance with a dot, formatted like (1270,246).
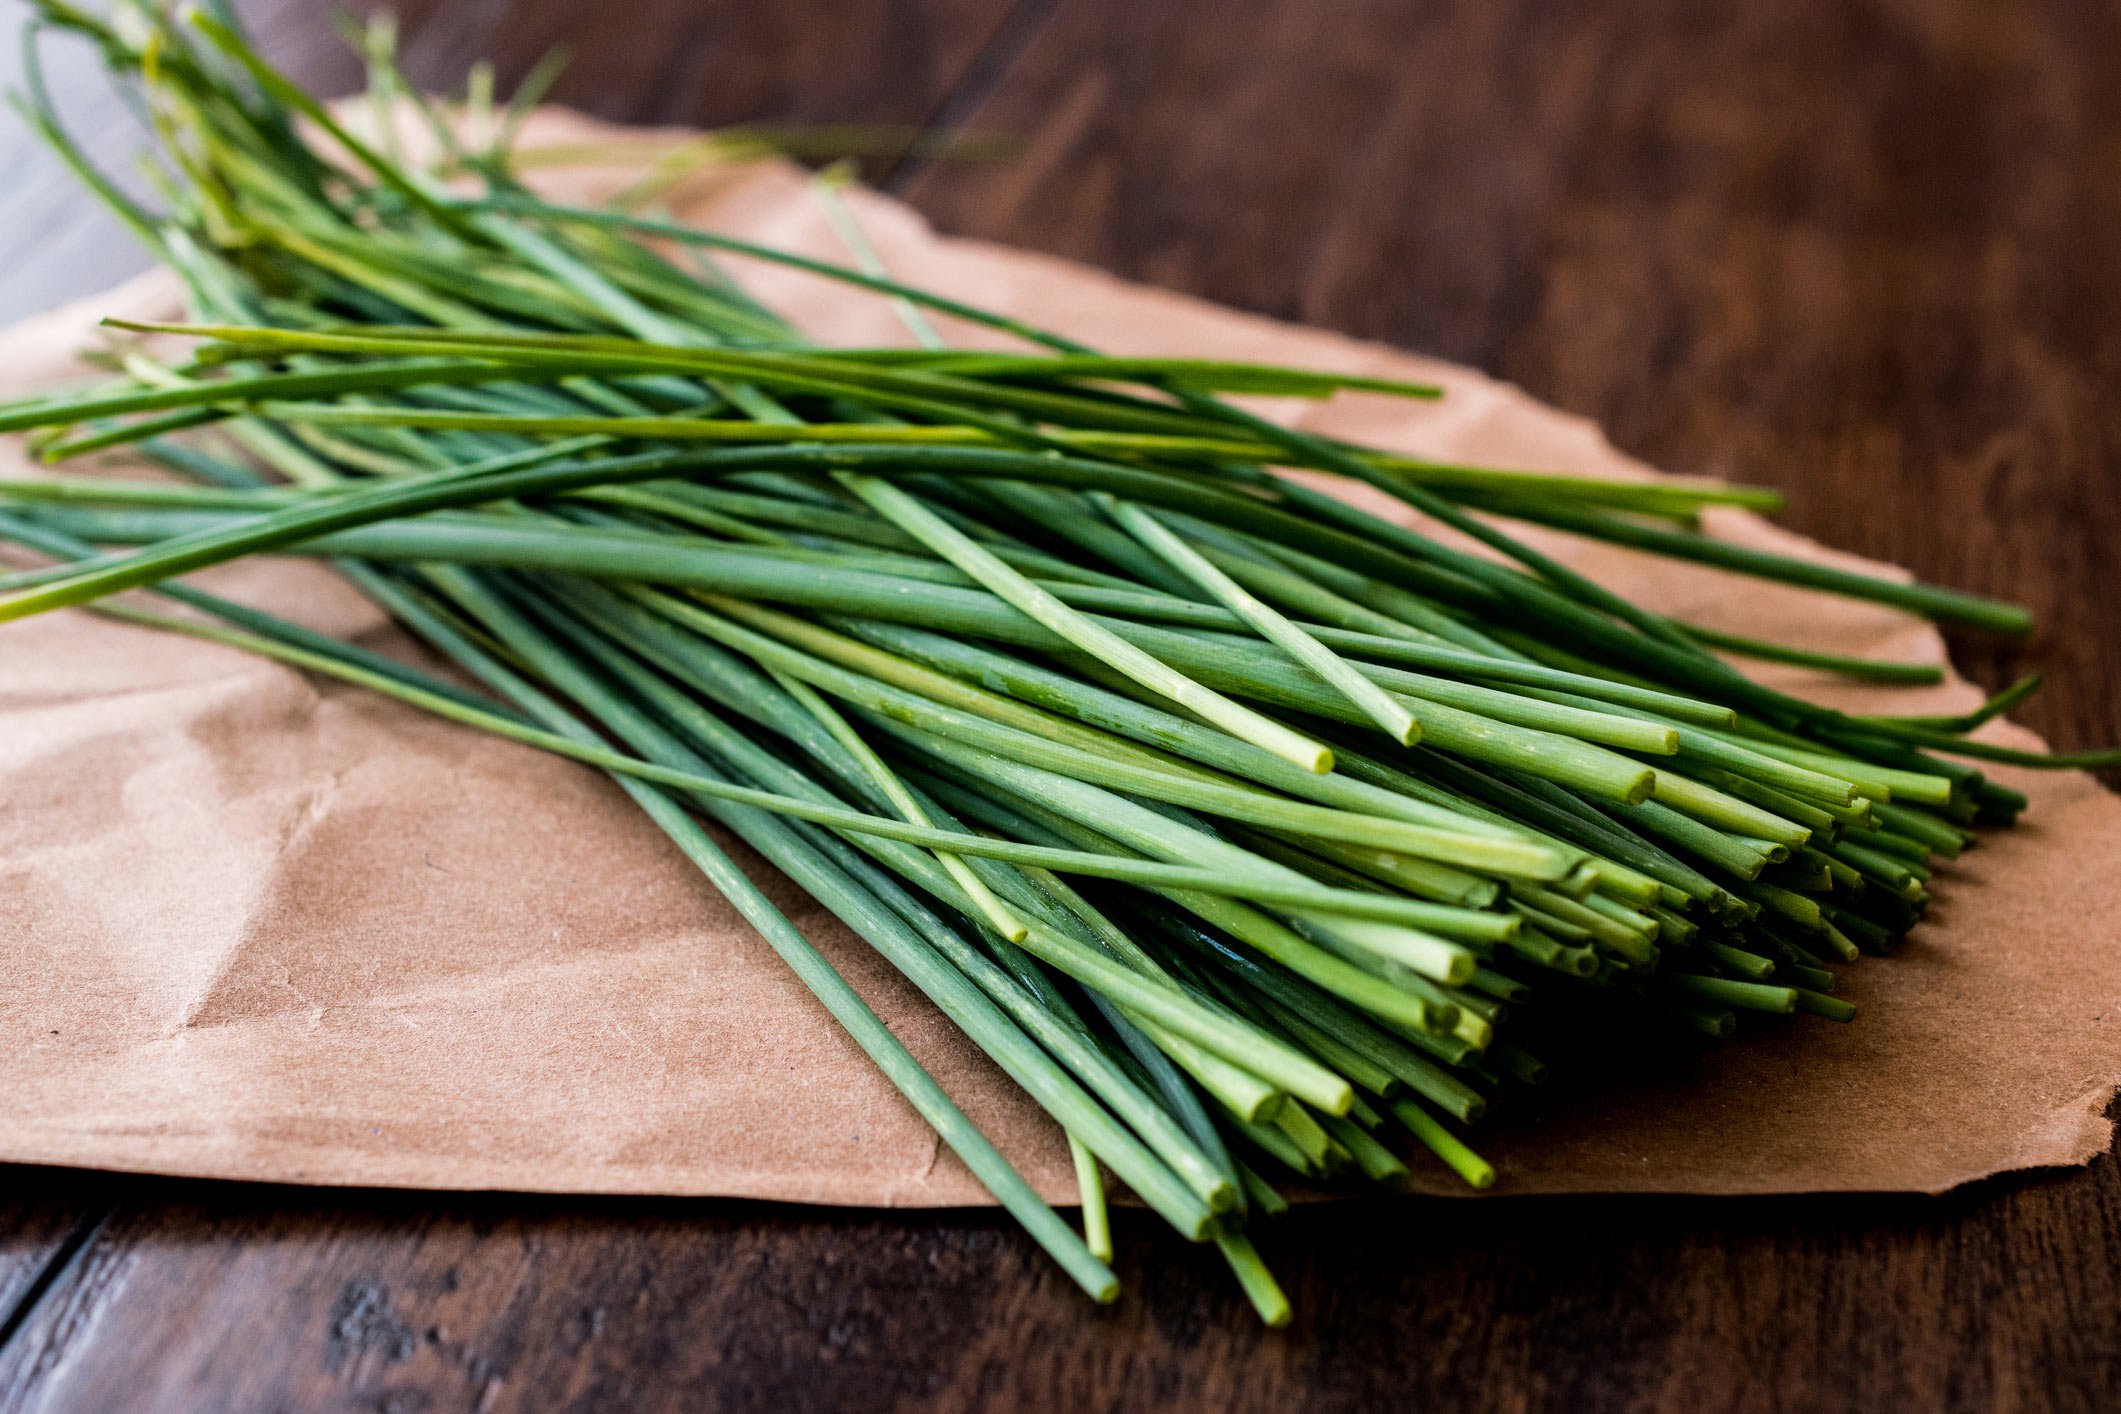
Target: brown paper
(261,927)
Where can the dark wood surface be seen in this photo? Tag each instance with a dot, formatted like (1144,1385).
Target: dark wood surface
(1868,253)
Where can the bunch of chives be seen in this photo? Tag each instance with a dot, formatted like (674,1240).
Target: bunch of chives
(1254,837)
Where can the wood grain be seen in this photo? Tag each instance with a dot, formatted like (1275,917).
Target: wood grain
(37,1229)
(1862,252)
(226,1297)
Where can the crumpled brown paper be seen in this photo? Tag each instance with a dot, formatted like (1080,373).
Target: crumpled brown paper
(261,927)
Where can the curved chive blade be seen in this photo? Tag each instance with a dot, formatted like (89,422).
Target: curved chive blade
(1240,721)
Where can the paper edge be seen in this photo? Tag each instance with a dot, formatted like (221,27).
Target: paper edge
(2082,1126)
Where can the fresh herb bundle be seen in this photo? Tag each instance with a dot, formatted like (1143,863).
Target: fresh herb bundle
(1253,836)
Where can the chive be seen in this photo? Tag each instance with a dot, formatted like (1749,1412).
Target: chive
(1714,1022)
(991,908)
(1928,600)
(1746,996)
(1258,1283)
(1820,1004)
(1378,1164)
(1860,669)
(1097,1224)
(1750,966)
(1389,714)
(1444,1144)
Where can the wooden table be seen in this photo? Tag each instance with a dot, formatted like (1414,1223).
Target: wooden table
(1868,253)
